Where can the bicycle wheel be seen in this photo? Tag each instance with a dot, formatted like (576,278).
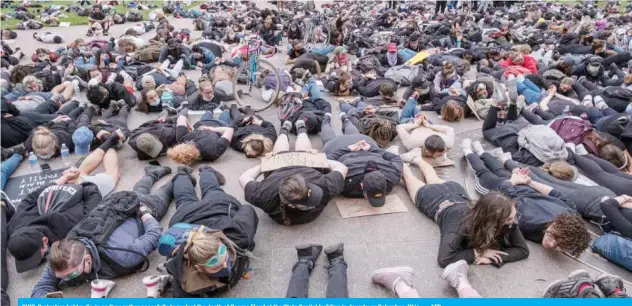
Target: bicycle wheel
(258,94)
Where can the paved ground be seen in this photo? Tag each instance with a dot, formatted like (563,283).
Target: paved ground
(370,242)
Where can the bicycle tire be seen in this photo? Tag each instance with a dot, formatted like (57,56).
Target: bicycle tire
(260,63)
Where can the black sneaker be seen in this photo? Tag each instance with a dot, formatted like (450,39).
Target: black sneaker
(105,33)
(335,252)
(308,253)
(610,285)
(188,171)
(90,33)
(220,177)
(570,288)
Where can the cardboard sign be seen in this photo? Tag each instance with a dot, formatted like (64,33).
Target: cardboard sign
(17,188)
(359,207)
(287,159)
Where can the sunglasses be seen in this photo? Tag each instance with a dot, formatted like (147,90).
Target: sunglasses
(214,261)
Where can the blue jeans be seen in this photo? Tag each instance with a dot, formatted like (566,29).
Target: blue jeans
(406,54)
(346,107)
(8,166)
(81,63)
(314,91)
(324,50)
(531,92)
(224,116)
(409,111)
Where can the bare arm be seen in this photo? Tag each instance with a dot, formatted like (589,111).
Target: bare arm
(250,175)
(541,188)
(336,166)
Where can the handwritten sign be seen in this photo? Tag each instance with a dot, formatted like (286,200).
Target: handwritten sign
(359,207)
(17,188)
(287,159)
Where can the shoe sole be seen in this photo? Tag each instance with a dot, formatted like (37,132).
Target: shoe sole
(394,269)
(451,268)
(553,284)
(578,273)
(107,291)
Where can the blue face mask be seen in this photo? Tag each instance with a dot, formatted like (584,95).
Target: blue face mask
(156,103)
(629,109)
(225,272)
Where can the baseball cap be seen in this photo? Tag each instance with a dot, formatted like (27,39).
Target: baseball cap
(374,187)
(149,144)
(311,120)
(391,47)
(147,80)
(82,138)
(25,247)
(312,198)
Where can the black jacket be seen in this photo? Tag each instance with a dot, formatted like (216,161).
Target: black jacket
(371,88)
(506,137)
(236,221)
(62,130)
(119,92)
(15,130)
(165,132)
(266,129)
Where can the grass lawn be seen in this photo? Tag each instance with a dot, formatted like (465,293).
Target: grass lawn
(73,18)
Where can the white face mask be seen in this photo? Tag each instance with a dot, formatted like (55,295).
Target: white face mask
(593,70)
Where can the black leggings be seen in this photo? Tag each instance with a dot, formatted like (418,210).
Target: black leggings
(604,173)
(619,59)
(440,6)
(490,173)
(585,88)
(48,111)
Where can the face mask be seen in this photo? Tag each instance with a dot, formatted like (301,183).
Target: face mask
(629,109)
(225,272)
(155,103)
(593,70)
(506,229)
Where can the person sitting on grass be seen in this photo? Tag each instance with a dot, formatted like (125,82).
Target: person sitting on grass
(98,16)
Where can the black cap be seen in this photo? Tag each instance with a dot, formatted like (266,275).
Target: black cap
(374,185)
(25,247)
(414,37)
(312,198)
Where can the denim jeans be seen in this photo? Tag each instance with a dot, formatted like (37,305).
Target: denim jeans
(324,50)
(314,91)
(406,54)
(82,64)
(184,191)
(159,200)
(531,92)
(8,166)
(409,111)
(336,283)
(346,107)
(224,116)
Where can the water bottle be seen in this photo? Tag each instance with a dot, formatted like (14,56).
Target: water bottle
(65,154)
(33,164)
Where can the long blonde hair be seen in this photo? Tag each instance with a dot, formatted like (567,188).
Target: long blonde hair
(43,139)
(202,245)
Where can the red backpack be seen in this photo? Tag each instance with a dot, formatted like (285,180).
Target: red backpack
(573,130)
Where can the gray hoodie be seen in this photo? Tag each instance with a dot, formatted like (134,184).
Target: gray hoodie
(126,236)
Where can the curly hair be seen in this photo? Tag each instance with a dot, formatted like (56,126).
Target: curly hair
(19,72)
(571,233)
(184,153)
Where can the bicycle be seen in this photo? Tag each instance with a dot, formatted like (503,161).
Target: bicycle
(252,75)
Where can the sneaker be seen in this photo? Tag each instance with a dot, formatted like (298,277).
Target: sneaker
(90,33)
(454,271)
(182,169)
(532,107)
(328,115)
(287,125)
(156,284)
(610,285)
(477,147)
(521,102)
(157,172)
(218,175)
(389,277)
(411,156)
(299,124)
(571,288)
(579,274)
(100,288)
(335,252)
(588,101)
(466,146)
(512,89)
(308,253)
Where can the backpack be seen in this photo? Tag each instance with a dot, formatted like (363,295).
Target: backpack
(571,129)
(149,54)
(133,15)
(290,104)
(403,75)
(101,222)
(368,63)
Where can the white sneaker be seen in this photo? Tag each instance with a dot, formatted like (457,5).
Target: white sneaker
(155,284)
(411,156)
(100,288)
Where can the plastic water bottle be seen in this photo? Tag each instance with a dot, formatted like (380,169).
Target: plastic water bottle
(33,164)
(65,154)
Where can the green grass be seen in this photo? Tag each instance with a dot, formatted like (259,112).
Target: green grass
(73,18)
